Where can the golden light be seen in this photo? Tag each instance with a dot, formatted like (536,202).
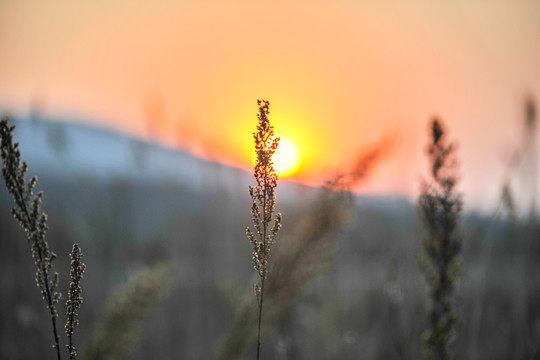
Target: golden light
(287,158)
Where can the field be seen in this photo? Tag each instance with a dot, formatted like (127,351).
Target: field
(356,290)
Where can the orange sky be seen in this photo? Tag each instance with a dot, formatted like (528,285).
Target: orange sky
(340,75)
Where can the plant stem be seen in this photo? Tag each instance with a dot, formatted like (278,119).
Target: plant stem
(46,280)
(70,348)
(264,274)
(260,320)
(263,197)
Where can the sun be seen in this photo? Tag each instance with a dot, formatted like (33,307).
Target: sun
(287,158)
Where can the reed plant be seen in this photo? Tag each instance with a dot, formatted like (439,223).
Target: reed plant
(263,199)
(303,252)
(440,258)
(27,212)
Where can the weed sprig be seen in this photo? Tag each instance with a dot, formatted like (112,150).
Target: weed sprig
(263,206)
(440,207)
(74,298)
(27,212)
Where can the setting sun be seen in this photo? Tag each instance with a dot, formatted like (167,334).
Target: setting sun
(287,158)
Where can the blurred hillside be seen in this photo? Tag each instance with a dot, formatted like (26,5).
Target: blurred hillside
(131,204)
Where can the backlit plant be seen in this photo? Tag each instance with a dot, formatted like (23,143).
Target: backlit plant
(263,205)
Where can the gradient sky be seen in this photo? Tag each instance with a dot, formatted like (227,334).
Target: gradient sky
(340,75)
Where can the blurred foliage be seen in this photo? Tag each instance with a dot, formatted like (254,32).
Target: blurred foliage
(440,256)
(118,329)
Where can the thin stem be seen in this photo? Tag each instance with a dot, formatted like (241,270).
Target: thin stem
(260,319)
(46,280)
(264,271)
(263,197)
(70,348)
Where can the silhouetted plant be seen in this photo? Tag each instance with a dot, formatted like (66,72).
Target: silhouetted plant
(27,212)
(440,259)
(262,208)
(303,252)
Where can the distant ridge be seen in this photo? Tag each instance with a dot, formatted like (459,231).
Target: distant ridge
(71,150)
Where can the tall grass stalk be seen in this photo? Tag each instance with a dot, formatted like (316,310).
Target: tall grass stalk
(34,223)
(27,212)
(263,205)
(304,251)
(74,298)
(440,208)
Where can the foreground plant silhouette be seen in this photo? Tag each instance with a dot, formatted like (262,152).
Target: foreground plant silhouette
(303,252)
(27,213)
(262,208)
(440,207)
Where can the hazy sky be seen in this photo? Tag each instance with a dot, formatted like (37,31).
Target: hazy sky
(340,75)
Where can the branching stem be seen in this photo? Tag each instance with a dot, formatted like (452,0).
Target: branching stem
(262,209)
(45,272)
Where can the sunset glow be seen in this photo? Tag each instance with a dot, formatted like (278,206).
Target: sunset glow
(340,75)
(287,158)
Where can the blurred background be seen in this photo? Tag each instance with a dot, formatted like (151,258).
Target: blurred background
(137,119)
